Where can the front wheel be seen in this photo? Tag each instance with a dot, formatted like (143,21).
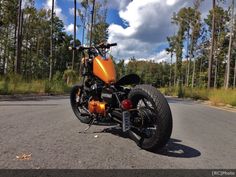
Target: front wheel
(153,120)
(79,103)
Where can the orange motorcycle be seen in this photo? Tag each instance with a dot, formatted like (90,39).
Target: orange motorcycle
(140,110)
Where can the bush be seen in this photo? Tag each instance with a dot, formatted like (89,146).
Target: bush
(170,91)
(4,86)
(222,96)
(216,96)
(13,84)
(69,76)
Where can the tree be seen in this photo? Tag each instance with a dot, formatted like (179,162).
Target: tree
(171,50)
(74,43)
(220,42)
(83,17)
(212,45)
(51,50)
(19,38)
(179,20)
(230,47)
(196,28)
(98,24)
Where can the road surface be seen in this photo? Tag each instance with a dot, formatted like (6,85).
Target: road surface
(203,137)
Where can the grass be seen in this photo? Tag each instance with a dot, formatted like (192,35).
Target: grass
(16,85)
(216,96)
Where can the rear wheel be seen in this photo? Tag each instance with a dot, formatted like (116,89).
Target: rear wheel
(79,103)
(153,120)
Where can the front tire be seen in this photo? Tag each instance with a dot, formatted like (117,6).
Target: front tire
(76,97)
(158,112)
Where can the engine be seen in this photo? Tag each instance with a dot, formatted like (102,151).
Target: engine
(107,95)
(97,107)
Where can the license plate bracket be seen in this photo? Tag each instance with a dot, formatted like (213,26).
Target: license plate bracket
(125,121)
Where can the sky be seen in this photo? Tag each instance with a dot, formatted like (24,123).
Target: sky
(140,27)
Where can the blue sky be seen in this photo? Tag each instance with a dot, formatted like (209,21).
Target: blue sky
(63,8)
(147,24)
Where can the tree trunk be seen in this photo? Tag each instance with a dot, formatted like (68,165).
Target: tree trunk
(200,73)
(193,75)
(73,56)
(234,74)
(27,55)
(30,65)
(186,73)
(51,46)
(216,70)
(84,25)
(18,39)
(5,51)
(170,68)
(230,46)
(15,46)
(1,49)
(212,46)
(188,61)
(91,27)
(175,72)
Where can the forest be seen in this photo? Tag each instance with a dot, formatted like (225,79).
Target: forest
(210,45)
(34,48)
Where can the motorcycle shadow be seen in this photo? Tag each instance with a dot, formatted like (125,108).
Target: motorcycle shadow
(117,131)
(174,147)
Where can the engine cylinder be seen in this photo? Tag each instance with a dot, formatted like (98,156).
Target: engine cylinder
(97,107)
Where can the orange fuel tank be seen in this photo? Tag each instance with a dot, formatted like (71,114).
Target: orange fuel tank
(104,69)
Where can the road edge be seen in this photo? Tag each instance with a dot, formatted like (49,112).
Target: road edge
(207,103)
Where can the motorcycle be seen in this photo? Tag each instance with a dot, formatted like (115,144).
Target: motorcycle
(140,110)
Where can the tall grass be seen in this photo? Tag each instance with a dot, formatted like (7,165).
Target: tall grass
(216,96)
(223,96)
(16,85)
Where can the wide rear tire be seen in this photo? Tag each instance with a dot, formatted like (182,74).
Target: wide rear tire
(162,118)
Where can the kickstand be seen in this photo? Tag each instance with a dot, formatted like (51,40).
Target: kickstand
(90,124)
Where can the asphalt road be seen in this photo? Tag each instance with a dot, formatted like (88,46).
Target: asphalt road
(203,137)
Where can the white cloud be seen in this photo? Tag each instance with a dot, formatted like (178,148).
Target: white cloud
(71,11)
(70,28)
(170,2)
(119,4)
(149,23)
(161,56)
(58,10)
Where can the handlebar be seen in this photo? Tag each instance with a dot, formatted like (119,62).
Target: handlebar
(102,46)
(107,46)
(113,44)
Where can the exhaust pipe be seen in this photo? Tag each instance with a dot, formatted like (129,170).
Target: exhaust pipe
(136,138)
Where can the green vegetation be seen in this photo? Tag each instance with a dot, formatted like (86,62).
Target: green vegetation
(34,55)
(34,43)
(216,96)
(202,54)
(14,84)
(34,46)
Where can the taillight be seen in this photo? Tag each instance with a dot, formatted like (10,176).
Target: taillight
(126,104)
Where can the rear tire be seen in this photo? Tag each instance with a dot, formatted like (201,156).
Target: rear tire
(77,91)
(162,118)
